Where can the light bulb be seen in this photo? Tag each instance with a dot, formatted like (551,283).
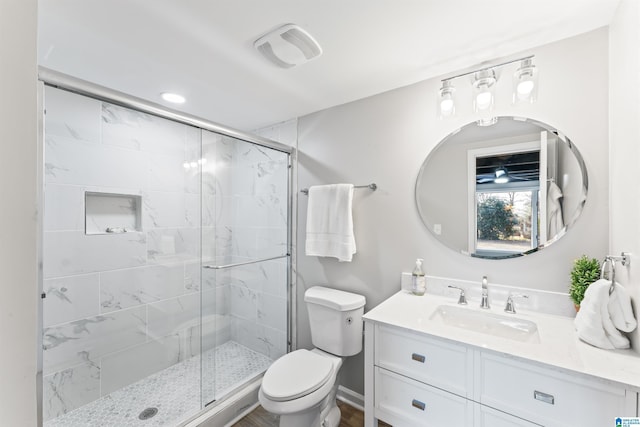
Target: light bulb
(483,100)
(446,106)
(524,89)
(525,83)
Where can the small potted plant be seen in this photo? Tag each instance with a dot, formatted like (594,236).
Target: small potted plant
(585,271)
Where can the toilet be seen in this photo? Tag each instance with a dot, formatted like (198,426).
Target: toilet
(301,386)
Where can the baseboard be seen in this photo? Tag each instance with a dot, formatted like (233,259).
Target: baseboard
(350,397)
(242,414)
(242,403)
(231,410)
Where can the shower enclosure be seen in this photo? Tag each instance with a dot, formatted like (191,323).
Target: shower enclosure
(166,255)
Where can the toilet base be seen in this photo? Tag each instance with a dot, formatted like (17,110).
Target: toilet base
(325,415)
(309,418)
(333,418)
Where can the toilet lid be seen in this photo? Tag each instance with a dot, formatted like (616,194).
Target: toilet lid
(296,374)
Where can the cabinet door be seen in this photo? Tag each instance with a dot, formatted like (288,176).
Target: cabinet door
(488,417)
(401,401)
(549,397)
(432,361)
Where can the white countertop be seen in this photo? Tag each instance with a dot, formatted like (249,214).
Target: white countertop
(559,345)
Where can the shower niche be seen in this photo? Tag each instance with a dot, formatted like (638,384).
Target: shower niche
(111,213)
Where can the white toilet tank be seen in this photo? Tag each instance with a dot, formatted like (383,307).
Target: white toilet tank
(335,318)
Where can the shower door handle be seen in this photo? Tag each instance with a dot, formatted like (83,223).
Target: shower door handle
(237,264)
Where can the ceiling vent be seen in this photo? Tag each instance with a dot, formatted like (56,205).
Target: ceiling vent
(288,46)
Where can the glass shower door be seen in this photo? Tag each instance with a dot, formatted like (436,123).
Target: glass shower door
(245,250)
(121,332)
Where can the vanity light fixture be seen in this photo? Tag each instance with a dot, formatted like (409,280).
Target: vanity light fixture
(446,102)
(525,83)
(483,86)
(484,82)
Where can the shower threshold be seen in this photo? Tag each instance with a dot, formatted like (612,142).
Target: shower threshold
(175,392)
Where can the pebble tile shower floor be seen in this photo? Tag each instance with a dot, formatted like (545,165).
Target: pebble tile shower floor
(175,391)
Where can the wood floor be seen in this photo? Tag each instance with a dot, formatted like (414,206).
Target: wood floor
(351,417)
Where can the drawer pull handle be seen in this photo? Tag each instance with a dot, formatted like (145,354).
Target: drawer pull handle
(417,404)
(418,357)
(543,397)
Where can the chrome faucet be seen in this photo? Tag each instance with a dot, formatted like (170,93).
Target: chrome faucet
(510,306)
(462,300)
(485,293)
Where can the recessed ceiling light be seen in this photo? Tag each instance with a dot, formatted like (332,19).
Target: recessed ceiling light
(173,97)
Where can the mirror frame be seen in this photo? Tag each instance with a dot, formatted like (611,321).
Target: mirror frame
(570,222)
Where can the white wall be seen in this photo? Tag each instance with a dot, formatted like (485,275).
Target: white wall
(385,138)
(624,117)
(18,186)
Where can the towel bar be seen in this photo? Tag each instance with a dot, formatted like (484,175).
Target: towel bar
(624,259)
(372,187)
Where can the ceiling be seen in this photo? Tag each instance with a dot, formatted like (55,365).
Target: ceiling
(203,49)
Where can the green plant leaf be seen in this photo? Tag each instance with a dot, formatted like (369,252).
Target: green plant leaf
(585,271)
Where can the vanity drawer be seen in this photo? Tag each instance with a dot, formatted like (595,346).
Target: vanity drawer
(488,417)
(401,401)
(435,362)
(548,397)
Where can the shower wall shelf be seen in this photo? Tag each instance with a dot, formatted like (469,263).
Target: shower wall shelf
(111,213)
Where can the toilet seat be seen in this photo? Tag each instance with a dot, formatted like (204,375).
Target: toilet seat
(296,374)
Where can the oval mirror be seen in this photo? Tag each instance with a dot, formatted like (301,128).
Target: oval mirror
(502,191)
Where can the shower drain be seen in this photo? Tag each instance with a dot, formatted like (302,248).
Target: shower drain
(148,413)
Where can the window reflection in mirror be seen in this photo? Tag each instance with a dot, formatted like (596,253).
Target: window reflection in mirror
(507,190)
(501,191)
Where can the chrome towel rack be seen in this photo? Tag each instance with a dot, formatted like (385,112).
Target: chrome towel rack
(610,261)
(373,187)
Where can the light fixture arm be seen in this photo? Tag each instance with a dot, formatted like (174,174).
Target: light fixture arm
(490,67)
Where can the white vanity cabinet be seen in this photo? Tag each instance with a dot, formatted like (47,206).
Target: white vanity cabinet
(549,396)
(485,416)
(414,379)
(402,401)
(435,362)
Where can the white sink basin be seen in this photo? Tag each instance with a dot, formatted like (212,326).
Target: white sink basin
(505,326)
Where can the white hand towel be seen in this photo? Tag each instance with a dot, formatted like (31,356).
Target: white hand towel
(330,222)
(593,322)
(554,208)
(620,309)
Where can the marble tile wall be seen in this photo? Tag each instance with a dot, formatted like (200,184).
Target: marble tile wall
(249,197)
(287,133)
(120,307)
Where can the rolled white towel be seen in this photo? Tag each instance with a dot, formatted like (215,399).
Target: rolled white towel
(620,309)
(589,320)
(593,322)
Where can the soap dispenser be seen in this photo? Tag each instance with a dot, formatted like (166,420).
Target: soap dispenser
(418,281)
